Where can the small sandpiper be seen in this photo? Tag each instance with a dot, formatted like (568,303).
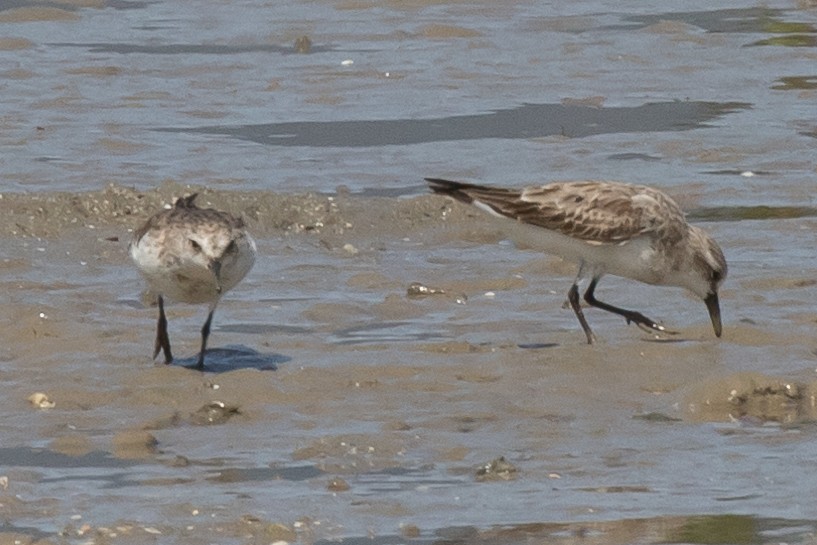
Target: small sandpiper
(192,255)
(626,230)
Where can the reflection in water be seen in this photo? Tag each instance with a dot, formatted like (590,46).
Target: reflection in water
(790,40)
(736,20)
(259,474)
(38,457)
(526,121)
(791,83)
(193,49)
(759,212)
(384,332)
(704,529)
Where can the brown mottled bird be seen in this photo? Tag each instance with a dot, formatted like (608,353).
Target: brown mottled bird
(626,230)
(192,255)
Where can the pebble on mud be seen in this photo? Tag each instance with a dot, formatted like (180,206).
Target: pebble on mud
(497,470)
(418,290)
(409,531)
(213,413)
(269,532)
(41,401)
(302,44)
(337,485)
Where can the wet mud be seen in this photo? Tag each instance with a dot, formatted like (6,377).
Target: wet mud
(393,370)
(359,364)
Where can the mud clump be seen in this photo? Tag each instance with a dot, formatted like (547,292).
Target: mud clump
(754,397)
(497,470)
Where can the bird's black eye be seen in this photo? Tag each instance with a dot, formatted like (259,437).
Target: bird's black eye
(195,245)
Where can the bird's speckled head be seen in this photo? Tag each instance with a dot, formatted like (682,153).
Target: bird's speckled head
(708,272)
(227,253)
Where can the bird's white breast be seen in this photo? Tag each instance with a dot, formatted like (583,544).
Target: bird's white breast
(234,270)
(634,258)
(180,276)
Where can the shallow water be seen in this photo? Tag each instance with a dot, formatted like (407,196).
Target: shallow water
(326,369)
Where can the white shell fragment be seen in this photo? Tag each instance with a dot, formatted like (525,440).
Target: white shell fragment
(416,289)
(41,401)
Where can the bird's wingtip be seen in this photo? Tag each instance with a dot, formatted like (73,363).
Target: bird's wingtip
(447,187)
(442,184)
(186,202)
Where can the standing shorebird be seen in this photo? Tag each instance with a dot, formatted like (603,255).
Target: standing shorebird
(192,255)
(614,228)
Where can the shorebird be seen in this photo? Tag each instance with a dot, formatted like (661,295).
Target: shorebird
(191,255)
(626,230)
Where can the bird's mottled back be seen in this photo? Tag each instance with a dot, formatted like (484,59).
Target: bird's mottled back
(628,230)
(185,212)
(593,211)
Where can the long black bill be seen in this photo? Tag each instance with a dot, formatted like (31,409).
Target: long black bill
(714,312)
(215,266)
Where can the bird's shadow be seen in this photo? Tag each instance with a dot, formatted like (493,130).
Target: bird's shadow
(232,358)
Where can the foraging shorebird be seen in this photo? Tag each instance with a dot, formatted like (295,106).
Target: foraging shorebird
(626,230)
(192,255)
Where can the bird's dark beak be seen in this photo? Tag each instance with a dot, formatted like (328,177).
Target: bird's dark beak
(215,266)
(714,312)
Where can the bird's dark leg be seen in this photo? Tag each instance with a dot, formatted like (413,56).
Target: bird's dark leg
(629,315)
(573,297)
(162,338)
(205,333)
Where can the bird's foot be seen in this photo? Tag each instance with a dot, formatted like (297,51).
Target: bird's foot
(648,325)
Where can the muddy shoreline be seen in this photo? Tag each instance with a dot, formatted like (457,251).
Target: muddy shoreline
(328,373)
